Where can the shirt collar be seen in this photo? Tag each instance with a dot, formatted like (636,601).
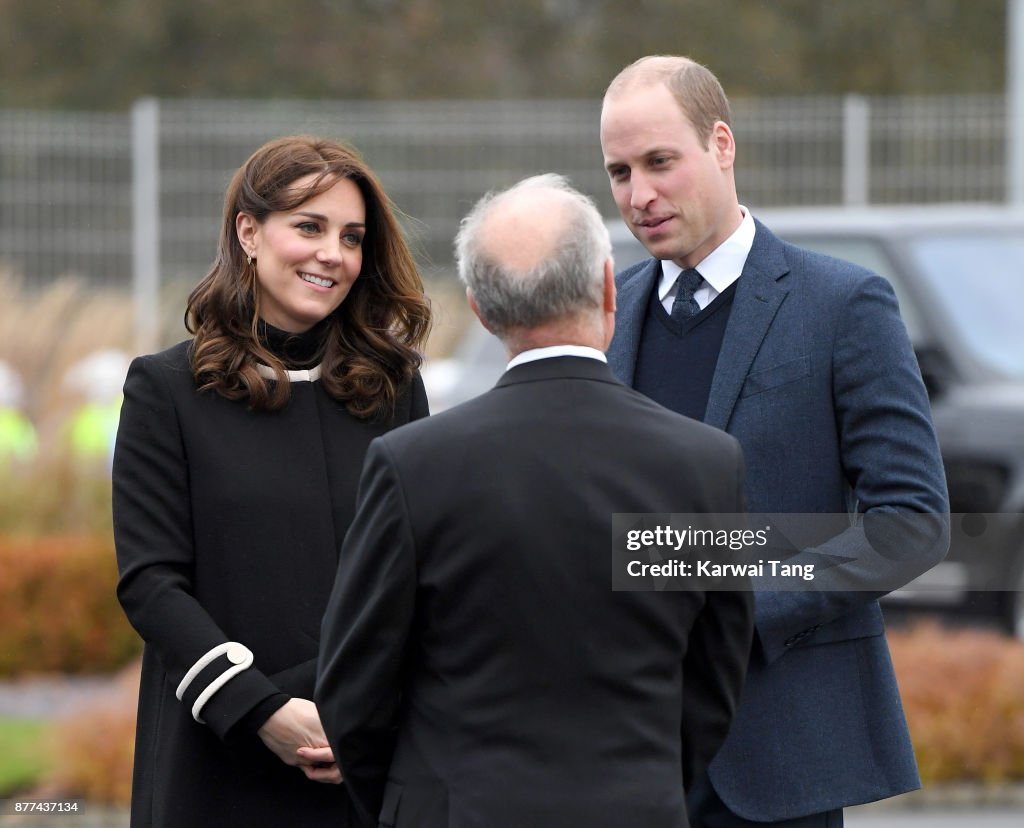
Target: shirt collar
(550,351)
(722,266)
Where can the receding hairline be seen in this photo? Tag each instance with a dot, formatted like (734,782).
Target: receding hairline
(524,225)
(648,71)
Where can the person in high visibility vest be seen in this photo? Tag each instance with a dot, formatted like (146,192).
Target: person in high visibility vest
(90,432)
(19,443)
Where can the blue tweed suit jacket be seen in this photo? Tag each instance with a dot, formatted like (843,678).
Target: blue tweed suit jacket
(819,383)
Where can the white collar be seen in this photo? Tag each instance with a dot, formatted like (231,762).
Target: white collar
(551,351)
(312,375)
(722,266)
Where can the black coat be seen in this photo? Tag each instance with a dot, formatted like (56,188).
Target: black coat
(474,612)
(227,525)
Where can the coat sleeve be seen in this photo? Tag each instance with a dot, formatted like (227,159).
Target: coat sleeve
(891,460)
(364,633)
(717,655)
(155,555)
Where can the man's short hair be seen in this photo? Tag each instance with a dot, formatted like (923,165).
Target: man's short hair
(565,283)
(696,89)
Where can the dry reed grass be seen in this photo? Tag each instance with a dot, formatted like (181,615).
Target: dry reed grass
(44,332)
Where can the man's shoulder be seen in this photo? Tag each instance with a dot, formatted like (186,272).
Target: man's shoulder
(632,272)
(430,433)
(810,268)
(493,413)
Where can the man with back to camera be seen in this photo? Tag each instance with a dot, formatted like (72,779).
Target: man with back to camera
(476,667)
(804,359)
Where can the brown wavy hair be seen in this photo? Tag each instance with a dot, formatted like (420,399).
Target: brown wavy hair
(371,347)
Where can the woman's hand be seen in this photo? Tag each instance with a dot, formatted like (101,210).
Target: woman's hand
(296,736)
(321,767)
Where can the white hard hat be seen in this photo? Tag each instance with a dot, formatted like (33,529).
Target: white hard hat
(12,389)
(99,376)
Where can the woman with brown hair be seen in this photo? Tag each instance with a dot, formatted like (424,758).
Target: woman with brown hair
(235,473)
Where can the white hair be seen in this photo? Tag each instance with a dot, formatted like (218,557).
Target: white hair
(568,282)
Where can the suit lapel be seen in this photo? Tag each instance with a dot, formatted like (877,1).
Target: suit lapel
(634,292)
(757,300)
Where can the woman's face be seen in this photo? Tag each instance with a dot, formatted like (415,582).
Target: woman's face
(306,258)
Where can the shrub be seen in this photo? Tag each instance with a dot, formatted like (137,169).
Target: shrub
(54,496)
(962,695)
(58,610)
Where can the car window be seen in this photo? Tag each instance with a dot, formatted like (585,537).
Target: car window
(867,253)
(978,280)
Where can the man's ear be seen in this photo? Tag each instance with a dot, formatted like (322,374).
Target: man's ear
(608,316)
(476,310)
(610,291)
(723,144)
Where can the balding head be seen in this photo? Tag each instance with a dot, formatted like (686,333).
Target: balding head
(695,88)
(534,255)
(524,226)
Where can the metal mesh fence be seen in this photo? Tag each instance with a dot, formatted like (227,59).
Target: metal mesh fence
(66,178)
(434,159)
(938,149)
(65,195)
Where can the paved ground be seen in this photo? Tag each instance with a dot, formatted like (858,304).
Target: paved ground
(44,698)
(984,818)
(91,817)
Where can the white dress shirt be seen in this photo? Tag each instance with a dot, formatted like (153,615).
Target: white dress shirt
(550,351)
(720,268)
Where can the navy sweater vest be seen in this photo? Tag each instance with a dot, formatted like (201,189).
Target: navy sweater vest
(676,361)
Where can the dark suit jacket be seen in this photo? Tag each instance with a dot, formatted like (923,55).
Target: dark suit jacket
(227,524)
(818,381)
(476,667)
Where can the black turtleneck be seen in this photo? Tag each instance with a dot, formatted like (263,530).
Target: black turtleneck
(295,350)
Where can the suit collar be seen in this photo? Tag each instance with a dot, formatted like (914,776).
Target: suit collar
(758,297)
(562,367)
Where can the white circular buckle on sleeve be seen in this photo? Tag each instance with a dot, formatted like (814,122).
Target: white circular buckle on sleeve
(239,655)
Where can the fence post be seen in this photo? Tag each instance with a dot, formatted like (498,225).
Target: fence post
(146,223)
(1015,102)
(856,150)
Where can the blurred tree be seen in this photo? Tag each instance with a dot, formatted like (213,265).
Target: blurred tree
(102,54)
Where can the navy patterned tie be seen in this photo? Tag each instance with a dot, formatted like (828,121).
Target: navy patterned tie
(684,305)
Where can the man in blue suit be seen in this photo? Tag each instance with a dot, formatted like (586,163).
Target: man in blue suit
(805,360)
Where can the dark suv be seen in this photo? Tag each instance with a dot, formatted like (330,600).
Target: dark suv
(958,272)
